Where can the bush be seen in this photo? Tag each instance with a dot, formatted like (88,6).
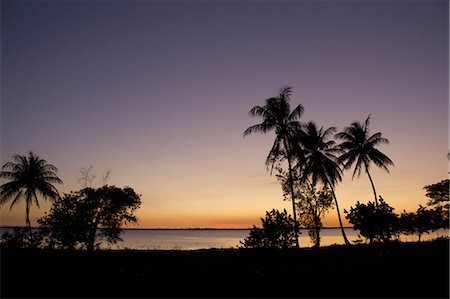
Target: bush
(277,232)
(20,238)
(374,223)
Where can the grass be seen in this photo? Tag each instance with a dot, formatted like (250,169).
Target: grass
(406,270)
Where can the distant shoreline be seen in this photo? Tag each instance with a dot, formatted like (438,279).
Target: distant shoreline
(188,228)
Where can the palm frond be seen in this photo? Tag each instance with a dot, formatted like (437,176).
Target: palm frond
(376,139)
(296,113)
(380,159)
(258,128)
(8,190)
(16,199)
(274,155)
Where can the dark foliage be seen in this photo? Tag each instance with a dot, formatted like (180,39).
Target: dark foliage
(374,223)
(438,193)
(77,219)
(312,205)
(424,220)
(277,232)
(20,238)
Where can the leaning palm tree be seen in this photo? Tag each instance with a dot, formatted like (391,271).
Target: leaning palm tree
(277,115)
(320,162)
(29,176)
(359,148)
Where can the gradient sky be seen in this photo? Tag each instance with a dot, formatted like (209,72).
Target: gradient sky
(159,92)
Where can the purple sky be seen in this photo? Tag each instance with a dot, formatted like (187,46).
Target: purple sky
(159,92)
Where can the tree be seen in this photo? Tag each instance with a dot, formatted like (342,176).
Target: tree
(319,162)
(29,177)
(277,115)
(276,232)
(75,219)
(374,223)
(423,221)
(359,148)
(407,223)
(438,193)
(438,200)
(312,206)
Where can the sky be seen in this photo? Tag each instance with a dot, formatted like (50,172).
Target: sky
(159,93)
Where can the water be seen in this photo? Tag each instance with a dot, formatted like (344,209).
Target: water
(191,239)
(203,239)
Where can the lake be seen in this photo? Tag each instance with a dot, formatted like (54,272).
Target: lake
(191,239)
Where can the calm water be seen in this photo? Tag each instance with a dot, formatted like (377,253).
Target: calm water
(189,239)
(201,239)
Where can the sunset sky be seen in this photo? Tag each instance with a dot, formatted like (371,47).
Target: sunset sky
(159,92)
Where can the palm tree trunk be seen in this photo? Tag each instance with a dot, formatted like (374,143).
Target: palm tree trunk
(29,229)
(291,183)
(339,217)
(28,222)
(373,187)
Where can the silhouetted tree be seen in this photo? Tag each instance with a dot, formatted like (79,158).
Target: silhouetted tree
(429,219)
(359,148)
(439,200)
(423,221)
(438,193)
(374,223)
(276,232)
(407,223)
(277,115)
(319,163)
(312,206)
(29,176)
(76,218)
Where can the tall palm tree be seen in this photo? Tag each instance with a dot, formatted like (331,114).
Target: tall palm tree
(359,148)
(320,161)
(29,176)
(276,115)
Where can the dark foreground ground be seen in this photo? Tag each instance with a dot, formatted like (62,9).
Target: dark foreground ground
(407,270)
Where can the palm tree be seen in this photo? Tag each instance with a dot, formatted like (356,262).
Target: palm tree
(320,162)
(277,115)
(29,176)
(359,148)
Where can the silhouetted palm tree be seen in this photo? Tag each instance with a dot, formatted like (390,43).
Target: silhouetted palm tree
(277,115)
(29,176)
(320,161)
(359,148)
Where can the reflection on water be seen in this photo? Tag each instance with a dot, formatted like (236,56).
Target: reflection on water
(202,239)
(190,239)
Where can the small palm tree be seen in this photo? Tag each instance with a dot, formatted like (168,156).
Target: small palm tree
(29,176)
(359,148)
(320,161)
(277,115)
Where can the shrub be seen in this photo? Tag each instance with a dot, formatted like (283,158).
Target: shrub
(277,232)
(374,223)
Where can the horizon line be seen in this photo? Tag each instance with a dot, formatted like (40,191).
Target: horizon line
(182,228)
